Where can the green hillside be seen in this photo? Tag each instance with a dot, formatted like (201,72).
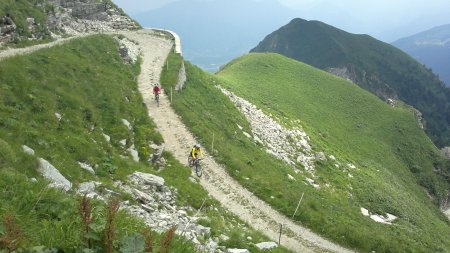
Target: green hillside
(91,87)
(376,66)
(86,84)
(392,155)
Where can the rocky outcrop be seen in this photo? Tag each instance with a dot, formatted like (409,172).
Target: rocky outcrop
(157,158)
(128,49)
(7,29)
(155,203)
(75,17)
(343,73)
(446,152)
(181,77)
(67,17)
(86,9)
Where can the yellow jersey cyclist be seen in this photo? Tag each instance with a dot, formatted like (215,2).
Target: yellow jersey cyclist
(196,152)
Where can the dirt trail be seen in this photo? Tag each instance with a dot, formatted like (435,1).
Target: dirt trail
(216,181)
(27,50)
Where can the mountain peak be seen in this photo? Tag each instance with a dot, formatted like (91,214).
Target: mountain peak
(374,65)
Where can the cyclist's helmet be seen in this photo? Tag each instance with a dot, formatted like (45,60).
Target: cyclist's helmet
(197,145)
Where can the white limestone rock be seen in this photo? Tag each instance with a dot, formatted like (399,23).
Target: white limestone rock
(321,156)
(88,189)
(145,178)
(266,245)
(127,124)
(291,177)
(365,212)
(238,251)
(224,238)
(27,150)
(386,219)
(107,137)
(58,116)
(134,153)
(87,167)
(49,172)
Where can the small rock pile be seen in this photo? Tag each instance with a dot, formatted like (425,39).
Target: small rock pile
(156,206)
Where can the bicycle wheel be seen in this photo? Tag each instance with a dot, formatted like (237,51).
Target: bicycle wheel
(198,169)
(157,99)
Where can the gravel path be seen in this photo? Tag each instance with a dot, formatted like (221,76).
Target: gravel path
(216,181)
(20,51)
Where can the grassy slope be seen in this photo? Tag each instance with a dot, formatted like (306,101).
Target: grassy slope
(89,85)
(377,66)
(86,82)
(351,136)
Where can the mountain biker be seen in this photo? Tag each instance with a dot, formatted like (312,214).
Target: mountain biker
(196,152)
(156,90)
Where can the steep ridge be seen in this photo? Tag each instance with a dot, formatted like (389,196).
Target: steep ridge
(376,66)
(216,180)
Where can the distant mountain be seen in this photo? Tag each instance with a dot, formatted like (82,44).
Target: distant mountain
(374,65)
(431,48)
(214,32)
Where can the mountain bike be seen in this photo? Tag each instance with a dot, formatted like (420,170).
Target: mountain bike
(157,98)
(196,164)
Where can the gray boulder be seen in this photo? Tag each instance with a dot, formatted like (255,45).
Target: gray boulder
(146,179)
(266,245)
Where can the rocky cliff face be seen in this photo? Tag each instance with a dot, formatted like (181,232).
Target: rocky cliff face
(66,17)
(80,16)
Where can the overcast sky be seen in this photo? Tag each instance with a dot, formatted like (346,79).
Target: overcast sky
(386,20)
